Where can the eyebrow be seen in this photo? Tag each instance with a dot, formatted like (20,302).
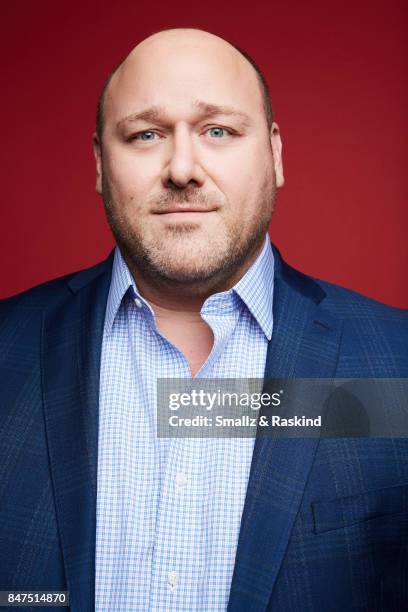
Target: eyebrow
(205,109)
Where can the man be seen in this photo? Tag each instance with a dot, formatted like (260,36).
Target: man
(188,160)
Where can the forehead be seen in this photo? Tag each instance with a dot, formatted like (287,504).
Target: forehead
(173,71)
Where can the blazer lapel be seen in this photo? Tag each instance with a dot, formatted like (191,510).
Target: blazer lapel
(71,350)
(304,344)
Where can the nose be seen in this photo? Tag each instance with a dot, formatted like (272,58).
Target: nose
(182,166)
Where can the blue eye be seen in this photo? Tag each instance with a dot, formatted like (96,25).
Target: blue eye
(217,132)
(145,136)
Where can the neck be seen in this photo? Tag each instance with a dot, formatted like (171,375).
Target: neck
(172,297)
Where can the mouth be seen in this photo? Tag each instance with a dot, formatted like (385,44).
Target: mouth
(182,214)
(179,210)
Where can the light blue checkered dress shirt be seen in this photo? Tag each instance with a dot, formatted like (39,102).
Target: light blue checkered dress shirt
(169,510)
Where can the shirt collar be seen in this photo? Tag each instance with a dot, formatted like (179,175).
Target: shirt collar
(255,288)
(122,282)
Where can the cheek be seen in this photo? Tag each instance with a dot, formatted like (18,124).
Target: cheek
(128,181)
(244,182)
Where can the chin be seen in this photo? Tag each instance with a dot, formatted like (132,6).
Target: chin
(187,274)
(191,252)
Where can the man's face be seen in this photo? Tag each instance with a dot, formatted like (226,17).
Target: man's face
(187,167)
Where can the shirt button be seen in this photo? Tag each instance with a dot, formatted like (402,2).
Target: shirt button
(173,578)
(181,479)
(138,302)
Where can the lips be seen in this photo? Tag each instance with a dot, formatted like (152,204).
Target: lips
(179,209)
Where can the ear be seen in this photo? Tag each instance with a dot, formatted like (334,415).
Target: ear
(276,145)
(97,149)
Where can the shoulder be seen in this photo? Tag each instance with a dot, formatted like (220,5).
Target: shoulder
(348,304)
(340,302)
(374,335)
(49,294)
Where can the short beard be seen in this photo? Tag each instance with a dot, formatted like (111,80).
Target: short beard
(150,262)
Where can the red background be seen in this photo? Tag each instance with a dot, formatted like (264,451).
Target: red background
(337,72)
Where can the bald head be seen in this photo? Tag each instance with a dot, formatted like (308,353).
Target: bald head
(179,45)
(189,162)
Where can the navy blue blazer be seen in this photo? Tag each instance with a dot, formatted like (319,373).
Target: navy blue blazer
(325,521)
